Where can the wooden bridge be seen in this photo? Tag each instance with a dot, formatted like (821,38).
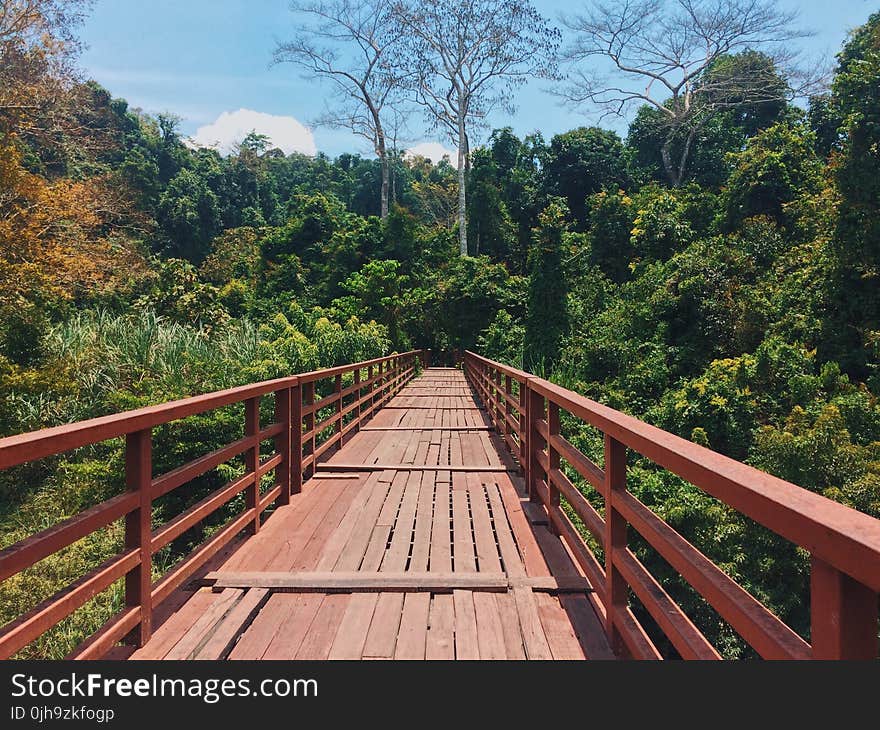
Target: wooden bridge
(401,511)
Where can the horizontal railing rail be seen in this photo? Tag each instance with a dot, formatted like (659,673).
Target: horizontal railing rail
(304,428)
(844,544)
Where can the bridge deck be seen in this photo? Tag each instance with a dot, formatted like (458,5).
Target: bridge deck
(411,542)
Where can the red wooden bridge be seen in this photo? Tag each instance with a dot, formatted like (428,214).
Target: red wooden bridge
(411,512)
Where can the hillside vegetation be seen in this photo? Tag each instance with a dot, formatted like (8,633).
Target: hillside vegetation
(739,309)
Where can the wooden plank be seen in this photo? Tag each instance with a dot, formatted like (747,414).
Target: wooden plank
(441,528)
(466,639)
(309,554)
(335,544)
(558,630)
(190,641)
(233,624)
(513,641)
(322,631)
(290,548)
(589,629)
(534,640)
(525,538)
(440,641)
(412,637)
(254,642)
(463,545)
(490,633)
(353,553)
(396,556)
(352,633)
(337,467)
(419,428)
(376,548)
(484,535)
(293,629)
(169,633)
(510,557)
(423,525)
(362,581)
(382,636)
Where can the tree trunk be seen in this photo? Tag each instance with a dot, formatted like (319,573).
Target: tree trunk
(462,196)
(383,161)
(668,165)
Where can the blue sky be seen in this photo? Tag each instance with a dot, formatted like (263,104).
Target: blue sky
(201,58)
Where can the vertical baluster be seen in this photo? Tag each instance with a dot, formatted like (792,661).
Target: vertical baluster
(843,615)
(338,390)
(296,439)
(252,460)
(358,411)
(615,538)
(138,530)
(282,443)
(536,444)
(371,388)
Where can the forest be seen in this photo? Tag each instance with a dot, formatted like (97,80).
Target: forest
(715,275)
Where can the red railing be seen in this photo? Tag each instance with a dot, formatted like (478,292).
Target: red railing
(844,544)
(296,451)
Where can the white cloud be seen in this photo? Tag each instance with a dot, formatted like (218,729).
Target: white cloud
(434,151)
(230,128)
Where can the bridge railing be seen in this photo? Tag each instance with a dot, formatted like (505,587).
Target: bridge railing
(844,544)
(328,409)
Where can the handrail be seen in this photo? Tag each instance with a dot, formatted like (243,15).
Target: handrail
(844,544)
(299,442)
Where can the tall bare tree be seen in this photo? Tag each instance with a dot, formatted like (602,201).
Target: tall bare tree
(674,55)
(349,42)
(468,56)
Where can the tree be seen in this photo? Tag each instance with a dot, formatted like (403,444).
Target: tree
(189,214)
(350,42)
(582,162)
(778,167)
(688,59)
(546,320)
(467,57)
(853,334)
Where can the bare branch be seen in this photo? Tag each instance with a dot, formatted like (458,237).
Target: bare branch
(688,59)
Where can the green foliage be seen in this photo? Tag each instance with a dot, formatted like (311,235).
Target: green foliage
(777,167)
(377,292)
(582,162)
(546,319)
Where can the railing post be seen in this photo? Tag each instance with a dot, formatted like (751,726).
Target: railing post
(296,439)
(535,444)
(523,433)
(282,443)
(843,615)
(615,538)
(377,386)
(309,402)
(508,410)
(357,395)
(552,457)
(138,530)
(338,389)
(252,460)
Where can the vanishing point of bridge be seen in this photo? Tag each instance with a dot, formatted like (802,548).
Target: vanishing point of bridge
(393,511)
